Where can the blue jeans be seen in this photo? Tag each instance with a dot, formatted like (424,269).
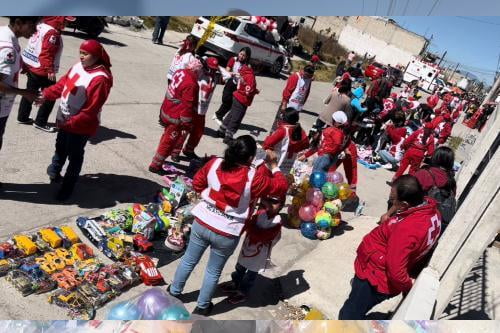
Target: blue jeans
(363,298)
(221,248)
(323,163)
(387,157)
(243,278)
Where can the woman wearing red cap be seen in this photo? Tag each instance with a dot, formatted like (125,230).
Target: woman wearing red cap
(83,91)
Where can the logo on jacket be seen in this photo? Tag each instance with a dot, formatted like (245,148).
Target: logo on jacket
(10,57)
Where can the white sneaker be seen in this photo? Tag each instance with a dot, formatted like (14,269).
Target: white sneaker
(387,166)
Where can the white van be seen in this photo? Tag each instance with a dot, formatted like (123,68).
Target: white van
(230,36)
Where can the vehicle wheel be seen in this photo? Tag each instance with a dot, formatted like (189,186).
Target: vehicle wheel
(276,68)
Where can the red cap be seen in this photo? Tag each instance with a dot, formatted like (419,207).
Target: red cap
(315,59)
(212,63)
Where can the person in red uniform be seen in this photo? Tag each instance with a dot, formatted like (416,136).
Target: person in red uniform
(242,98)
(296,92)
(83,91)
(287,141)
(433,100)
(395,136)
(332,143)
(177,110)
(390,252)
(206,82)
(416,146)
(41,58)
(442,131)
(229,188)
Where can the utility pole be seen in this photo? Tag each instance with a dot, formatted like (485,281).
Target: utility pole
(454,71)
(492,91)
(442,58)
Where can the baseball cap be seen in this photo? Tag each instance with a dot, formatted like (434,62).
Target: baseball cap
(339,117)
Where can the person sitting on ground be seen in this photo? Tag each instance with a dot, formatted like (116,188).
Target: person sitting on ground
(388,254)
(263,231)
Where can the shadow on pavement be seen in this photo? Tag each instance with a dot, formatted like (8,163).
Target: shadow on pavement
(265,292)
(106,134)
(92,191)
(103,40)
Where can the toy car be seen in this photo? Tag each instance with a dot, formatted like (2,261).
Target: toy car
(112,247)
(27,284)
(42,245)
(51,237)
(129,274)
(142,244)
(70,234)
(46,265)
(83,267)
(98,279)
(65,242)
(25,244)
(91,229)
(95,297)
(67,279)
(148,272)
(6,265)
(144,223)
(66,256)
(57,261)
(81,251)
(78,304)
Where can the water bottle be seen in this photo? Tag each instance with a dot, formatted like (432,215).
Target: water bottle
(359,209)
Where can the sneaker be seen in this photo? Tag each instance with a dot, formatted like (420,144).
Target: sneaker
(228,287)
(217,120)
(29,121)
(221,134)
(191,155)
(175,157)
(45,128)
(237,298)
(387,166)
(160,171)
(54,177)
(171,294)
(203,312)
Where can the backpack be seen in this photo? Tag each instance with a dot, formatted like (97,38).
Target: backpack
(447,204)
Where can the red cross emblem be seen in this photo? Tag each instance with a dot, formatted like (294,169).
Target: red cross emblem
(70,87)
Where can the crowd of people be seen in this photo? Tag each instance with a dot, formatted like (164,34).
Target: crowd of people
(239,192)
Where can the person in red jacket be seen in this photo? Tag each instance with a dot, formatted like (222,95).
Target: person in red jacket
(242,99)
(83,91)
(41,58)
(416,146)
(177,110)
(332,143)
(395,134)
(229,188)
(287,141)
(388,254)
(443,130)
(296,92)
(433,100)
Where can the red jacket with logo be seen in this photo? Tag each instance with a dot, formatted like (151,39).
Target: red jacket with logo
(293,147)
(332,142)
(86,121)
(389,252)
(291,84)
(181,99)
(247,86)
(414,141)
(50,46)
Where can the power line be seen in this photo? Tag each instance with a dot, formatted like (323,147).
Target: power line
(433,6)
(477,20)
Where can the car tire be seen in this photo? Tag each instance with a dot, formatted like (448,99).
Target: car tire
(276,67)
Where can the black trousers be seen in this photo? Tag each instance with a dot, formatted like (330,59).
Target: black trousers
(3,123)
(161,23)
(36,82)
(69,146)
(233,120)
(363,298)
(227,99)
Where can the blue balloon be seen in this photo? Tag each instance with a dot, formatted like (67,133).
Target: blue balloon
(175,312)
(317,179)
(124,311)
(309,230)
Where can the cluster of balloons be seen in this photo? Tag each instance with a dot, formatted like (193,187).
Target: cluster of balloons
(153,304)
(316,206)
(266,24)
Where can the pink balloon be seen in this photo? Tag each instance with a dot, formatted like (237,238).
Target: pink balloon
(314,196)
(307,213)
(335,177)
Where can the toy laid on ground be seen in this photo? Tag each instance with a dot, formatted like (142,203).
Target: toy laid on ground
(29,278)
(78,305)
(153,304)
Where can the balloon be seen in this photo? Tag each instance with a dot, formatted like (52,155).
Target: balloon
(330,191)
(308,230)
(305,185)
(294,221)
(175,312)
(317,179)
(315,314)
(331,207)
(344,191)
(335,177)
(124,311)
(315,197)
(324,233)
(323,219)
(152,302)
(307,213)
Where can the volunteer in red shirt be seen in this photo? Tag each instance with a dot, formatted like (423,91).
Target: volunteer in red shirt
(242,99)
(388,254)
(229,187)
(442,131)
(433,100)
(206,82)
(396,134)
(83,91)
(232,77)
(176,113)
(332,143)
(419,144)
(41,58)
(296,92)
(288,140)
(182,57)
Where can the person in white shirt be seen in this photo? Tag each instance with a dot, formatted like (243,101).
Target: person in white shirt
(10,65)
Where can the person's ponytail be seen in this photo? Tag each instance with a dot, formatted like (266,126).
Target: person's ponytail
(238,152)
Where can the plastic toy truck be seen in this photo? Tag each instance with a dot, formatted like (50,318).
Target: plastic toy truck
(91,229)
(79,306)
(142,244)
(51,237)
(70,234)
(149,274)
(25,244)
(81,251)
(112,247)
